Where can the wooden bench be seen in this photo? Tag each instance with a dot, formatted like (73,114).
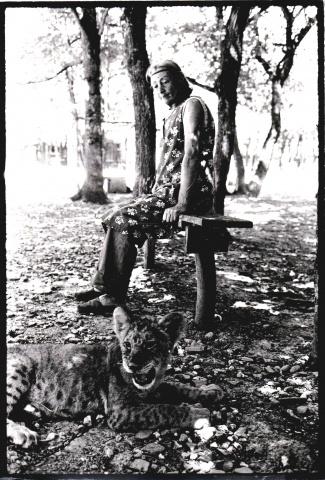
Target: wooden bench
(204,235)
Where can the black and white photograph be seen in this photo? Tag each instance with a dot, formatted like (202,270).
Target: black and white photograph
(164,184)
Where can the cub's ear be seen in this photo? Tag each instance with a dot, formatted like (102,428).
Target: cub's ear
(122,321)
(173,324)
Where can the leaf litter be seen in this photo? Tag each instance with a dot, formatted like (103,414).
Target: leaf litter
(257,351)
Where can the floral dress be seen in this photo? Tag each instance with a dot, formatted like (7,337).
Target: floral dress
(142,217)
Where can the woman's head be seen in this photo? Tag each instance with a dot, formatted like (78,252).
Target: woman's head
(169,81)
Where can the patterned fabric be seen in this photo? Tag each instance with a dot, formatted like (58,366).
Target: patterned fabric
(142,217)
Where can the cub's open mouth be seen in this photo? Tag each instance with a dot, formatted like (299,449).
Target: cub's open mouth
(144,380)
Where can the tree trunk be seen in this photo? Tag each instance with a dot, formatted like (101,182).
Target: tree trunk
(240,168)
(297,157)
(226,88)
(145,125)
(284,157)
(275,129)
(271,140)
(78,155)
(92,190)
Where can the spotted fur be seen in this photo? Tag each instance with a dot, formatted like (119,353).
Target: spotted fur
(123,380)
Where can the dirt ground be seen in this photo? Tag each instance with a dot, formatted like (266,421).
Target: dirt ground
(257,351)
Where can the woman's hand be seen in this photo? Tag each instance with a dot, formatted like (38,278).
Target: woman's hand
(171,214)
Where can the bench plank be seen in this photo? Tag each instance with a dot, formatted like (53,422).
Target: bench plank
(214,220)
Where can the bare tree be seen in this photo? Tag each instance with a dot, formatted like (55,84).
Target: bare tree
(278,76)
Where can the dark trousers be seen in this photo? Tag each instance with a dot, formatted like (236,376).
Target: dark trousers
(116,261)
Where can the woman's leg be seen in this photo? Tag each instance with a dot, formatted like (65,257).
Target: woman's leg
(126,228)
(98,285)
(115,265)
(112,276)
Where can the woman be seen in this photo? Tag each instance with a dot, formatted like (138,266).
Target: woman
(182,186)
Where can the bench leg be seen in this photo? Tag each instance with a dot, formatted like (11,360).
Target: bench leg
(206,289)
(149,248)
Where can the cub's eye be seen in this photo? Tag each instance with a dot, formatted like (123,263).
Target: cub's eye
(127,347)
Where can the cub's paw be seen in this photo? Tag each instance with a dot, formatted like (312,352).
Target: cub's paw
(200,417)
(21,435)
(211,394)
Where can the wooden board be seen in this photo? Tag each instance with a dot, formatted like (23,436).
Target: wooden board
(198,240)
(214,220)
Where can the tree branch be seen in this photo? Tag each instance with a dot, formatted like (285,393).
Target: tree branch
(285,65)
(75,12)
(102,23)
(298,13)
(219,15)
(289,19)
(63,69)
(117,122)
(286,12)
(70,42)
(303,32)
(206,87)
(257,14)
(264,64)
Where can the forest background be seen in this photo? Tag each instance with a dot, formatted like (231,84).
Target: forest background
(46,93)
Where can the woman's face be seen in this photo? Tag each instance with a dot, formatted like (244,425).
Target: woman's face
(166,86)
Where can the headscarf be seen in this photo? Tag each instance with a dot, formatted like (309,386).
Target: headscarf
(167,65)
(172,67)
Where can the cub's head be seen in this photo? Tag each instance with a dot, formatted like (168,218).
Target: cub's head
(146,345)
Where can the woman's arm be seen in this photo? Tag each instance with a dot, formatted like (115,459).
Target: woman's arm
(192,119)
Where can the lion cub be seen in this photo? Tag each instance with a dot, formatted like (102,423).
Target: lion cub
(123,380)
